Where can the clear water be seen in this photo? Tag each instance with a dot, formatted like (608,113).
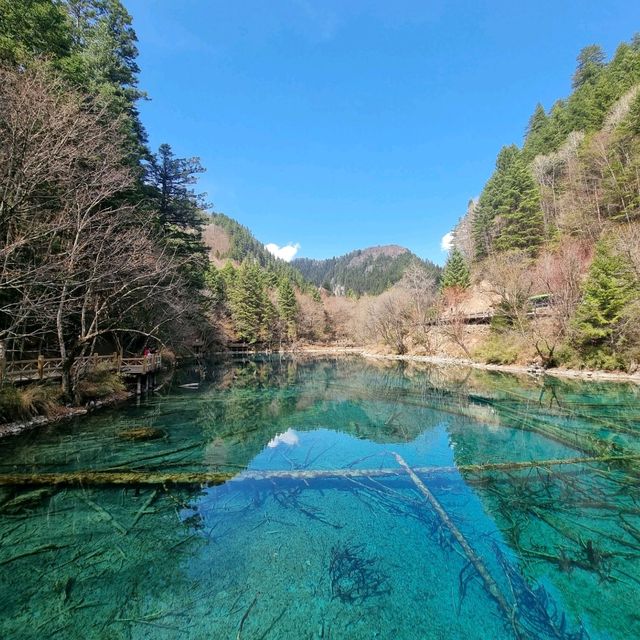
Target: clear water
(475,552)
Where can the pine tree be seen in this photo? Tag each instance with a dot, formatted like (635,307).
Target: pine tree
(228,274)
(288,307)
(248,300)
(539,136)
(456,272)
(216,285)
(179,209)
(493,200)
(270,323)
(31,28)
(520,213)
(591,61)
(508,215)
(609,288)
(172,177)
(103,62)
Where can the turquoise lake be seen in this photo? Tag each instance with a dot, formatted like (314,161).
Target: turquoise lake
(361,500)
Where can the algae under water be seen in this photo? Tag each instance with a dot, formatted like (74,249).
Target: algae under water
(364,501)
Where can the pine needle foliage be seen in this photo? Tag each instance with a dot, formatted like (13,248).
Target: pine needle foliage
(609,289)
(456,272)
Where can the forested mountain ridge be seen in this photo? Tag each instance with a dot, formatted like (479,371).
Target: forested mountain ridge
(364,271)
(255,297)
(227,239)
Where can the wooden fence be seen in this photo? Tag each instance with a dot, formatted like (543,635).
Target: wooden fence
(43,368)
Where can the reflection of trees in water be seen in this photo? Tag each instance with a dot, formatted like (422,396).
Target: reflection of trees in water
(268,396)
(579,526)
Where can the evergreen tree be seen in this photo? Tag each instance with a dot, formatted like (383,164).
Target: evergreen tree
(270,322)
(228,274)
(609,288)
(508,214)
(456,272)
(520,213)
(496,198)
(216,285)
(106,46)
(541,133)
(103,63)
(30,28)
(172,177)
(248,303)
(538,123)
(178,208)
(288,307)
(591,62)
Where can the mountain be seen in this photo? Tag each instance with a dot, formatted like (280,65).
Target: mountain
(364,271)
(227,240)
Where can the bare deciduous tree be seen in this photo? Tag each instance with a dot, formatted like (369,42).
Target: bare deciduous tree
(389,319)
(422,290)
(78,260)
(452,318)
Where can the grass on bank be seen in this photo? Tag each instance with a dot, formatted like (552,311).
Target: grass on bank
(23,403)
(26,402)
(97,384)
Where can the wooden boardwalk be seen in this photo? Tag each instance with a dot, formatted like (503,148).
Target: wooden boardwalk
(482,317)
(43,368)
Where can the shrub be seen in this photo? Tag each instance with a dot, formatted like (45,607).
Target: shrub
(10,404)
(23,403)
(168,358)
(98,383)
(40,399)
(498,349)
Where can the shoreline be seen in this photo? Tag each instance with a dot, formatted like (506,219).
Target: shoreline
(68,413)
(582,374)
(65,413)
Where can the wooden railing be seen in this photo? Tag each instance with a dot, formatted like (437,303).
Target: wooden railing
(43,368)
(482,317)
(141,364)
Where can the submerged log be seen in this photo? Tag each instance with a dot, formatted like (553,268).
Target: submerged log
(490,584)
(142,433)
(116,477)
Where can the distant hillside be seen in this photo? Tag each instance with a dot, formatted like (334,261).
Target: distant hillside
(227,239)
(364,271)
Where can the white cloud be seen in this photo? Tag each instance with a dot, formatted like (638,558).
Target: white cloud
(446,244)
(286,253)
(289,437)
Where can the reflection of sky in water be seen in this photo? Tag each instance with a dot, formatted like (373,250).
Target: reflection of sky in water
(327,449)
(289,437)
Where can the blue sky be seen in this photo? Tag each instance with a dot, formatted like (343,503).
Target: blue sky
(340,124)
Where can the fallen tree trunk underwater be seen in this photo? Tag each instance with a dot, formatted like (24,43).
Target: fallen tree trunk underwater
(105,478)
(489,583)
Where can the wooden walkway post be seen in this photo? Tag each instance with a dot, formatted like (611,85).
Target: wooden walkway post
(40,367)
